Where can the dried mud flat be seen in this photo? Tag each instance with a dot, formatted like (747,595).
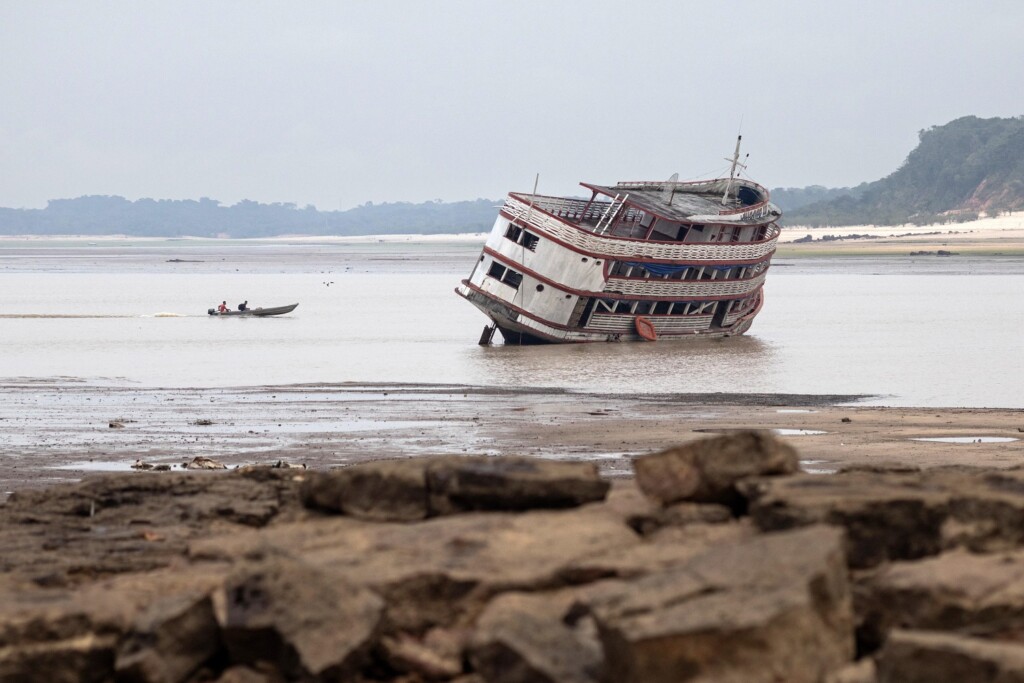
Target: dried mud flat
(62,430)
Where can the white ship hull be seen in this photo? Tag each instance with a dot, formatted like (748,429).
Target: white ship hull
(653,260)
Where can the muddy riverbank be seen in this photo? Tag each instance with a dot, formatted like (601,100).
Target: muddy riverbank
(59,431)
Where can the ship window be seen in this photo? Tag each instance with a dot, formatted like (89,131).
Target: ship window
(661,307)
(540,288)
(520,236)
(506,275)
(512,278)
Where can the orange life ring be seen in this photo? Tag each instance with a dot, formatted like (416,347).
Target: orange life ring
(645,328)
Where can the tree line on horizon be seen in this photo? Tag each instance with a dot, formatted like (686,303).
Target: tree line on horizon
(113,215)
(957,170)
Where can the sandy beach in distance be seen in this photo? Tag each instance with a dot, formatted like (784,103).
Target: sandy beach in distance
(1001,235)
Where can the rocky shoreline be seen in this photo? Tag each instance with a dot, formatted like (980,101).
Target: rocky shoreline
(719,561)
(60,431)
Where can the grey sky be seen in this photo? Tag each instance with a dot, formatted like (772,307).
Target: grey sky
(338,103)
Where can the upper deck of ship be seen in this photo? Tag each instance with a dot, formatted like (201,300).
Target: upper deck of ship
(625,209)
(695,202)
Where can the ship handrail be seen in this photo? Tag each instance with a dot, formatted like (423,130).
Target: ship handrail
(684,288)
(624,247)
(571,206)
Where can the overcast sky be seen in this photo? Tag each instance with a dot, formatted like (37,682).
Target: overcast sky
(339,103)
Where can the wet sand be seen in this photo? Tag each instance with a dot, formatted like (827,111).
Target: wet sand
(60,430)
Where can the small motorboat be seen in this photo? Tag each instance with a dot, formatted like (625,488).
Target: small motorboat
(255,312)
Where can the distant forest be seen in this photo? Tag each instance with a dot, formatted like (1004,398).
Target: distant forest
(956,171)
(104,215)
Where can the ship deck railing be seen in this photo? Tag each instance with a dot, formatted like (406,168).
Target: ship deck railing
(559,220)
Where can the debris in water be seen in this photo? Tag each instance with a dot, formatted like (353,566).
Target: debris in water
(203,463)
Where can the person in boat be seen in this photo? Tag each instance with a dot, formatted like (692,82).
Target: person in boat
(244,305)
(223,308)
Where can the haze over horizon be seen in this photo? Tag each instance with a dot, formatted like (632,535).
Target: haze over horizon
(336,105)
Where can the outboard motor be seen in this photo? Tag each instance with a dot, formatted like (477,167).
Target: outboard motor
(211,311)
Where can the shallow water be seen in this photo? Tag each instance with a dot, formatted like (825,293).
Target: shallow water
(967,439)
(939,332)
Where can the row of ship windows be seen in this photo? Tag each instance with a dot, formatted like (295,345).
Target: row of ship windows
(695,272)
(528,240)
(668,307)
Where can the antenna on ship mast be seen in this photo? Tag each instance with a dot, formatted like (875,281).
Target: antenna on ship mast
(735,161)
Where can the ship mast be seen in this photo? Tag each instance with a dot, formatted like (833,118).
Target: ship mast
(735,161)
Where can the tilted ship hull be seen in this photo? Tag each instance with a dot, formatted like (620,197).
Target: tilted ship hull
(636,261)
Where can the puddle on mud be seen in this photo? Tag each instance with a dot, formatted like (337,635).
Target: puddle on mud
(97,466)
(966,439)
(798,432)
(817,467)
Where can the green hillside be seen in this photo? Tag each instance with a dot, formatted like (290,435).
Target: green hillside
(957,170)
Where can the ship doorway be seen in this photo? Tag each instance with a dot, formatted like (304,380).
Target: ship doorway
(581,312)
(721,310)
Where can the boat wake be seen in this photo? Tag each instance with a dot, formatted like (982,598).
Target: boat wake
(61,315)
(165,314)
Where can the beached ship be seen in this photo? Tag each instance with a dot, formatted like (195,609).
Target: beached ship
(637,260)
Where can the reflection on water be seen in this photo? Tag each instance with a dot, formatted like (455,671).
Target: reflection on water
(685,366)
(914,332)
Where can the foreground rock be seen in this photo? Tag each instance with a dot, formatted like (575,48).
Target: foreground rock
(982,595)
(135,522)
(169,640)
(284,614)
(524,637)
(926,657)
(487,570)
(899,515)
(772,608)
(407,490)
(442,572)
(707,471)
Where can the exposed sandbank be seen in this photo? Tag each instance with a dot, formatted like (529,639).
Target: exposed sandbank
(60,430)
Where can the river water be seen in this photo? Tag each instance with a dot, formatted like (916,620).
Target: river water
(922,331)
